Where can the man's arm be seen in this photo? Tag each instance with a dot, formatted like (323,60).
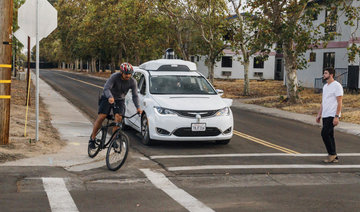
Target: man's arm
(135,97)
(108,85)
(338,110)
(318,117)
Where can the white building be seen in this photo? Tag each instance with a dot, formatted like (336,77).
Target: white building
(230,67)
(335,54)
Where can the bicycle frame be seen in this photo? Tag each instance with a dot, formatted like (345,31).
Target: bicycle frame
(105,144)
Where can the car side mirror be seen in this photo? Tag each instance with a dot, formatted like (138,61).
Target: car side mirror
(220,92)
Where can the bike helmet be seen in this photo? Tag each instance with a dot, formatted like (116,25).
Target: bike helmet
(126,68)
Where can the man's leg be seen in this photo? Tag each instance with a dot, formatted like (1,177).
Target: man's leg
(97,124)
(118,119)
(327,134)
(331,138)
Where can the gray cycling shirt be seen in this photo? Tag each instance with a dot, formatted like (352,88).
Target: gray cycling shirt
(117,88)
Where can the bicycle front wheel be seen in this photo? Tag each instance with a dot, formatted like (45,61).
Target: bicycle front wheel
(117,151)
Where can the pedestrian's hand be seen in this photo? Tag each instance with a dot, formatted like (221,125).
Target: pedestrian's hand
(111,100)
(318,119)
(335,121)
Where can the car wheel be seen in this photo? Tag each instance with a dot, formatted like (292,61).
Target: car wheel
(223,142)
(145,131)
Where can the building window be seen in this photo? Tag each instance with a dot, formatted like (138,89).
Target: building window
(258,62)
(226,62)
(226,73)
(312,57)
(329,59)
(330,19)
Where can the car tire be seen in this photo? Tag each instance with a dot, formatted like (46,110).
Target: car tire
(145,131)
(223,142)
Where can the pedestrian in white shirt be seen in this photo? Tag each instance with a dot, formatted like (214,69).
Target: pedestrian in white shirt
(330,112)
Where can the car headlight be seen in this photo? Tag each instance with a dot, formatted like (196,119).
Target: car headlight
(223,112)
(164,111)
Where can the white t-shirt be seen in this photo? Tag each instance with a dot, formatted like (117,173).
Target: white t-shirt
(329,102)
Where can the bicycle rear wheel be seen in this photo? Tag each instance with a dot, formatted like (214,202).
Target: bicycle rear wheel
(99,136)
(117,152)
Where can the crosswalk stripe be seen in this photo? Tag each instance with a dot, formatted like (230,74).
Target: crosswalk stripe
(182,197)
(266,166)
(59,197)
(252,155)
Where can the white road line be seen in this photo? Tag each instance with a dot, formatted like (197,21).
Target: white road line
(251,155)
(59,197)
(269,166)
(179,195)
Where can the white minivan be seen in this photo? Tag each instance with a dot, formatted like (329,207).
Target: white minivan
(179,104)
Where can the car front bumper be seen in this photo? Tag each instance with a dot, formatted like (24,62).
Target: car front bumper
(179,128)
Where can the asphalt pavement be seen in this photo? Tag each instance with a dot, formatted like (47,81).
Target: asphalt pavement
(272,163)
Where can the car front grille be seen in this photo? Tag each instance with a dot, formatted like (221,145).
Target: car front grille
(186,132)
(192,114)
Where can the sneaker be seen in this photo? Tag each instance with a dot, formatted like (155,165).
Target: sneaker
(92,144)
(332,159)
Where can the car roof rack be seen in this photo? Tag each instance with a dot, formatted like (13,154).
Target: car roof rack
(169,65)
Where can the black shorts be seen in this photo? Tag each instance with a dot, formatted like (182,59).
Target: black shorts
(105,107)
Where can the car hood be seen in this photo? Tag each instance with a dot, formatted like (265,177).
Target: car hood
(192,102)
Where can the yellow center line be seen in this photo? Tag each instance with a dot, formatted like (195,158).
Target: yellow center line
(5,81)
(265,143)
(80,81)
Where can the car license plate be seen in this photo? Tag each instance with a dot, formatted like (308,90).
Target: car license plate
(198,127)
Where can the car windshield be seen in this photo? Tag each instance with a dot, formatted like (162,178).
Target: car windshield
(180,85)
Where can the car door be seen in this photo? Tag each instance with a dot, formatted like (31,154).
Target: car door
(131,109)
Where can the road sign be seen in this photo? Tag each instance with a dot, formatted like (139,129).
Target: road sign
(47,18)
(37,18)
(23,38)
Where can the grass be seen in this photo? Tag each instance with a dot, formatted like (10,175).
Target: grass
(271,93)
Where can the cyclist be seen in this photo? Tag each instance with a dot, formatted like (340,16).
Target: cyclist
(115,90)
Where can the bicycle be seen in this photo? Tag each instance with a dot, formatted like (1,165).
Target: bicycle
(117,145)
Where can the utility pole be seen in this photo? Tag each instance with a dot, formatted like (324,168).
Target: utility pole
(6,17)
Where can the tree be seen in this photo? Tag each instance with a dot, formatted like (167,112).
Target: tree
(290,23)
(211,18)
(245,39)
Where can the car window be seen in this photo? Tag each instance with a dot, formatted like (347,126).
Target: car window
(137,77)
(180,85)
(142,85)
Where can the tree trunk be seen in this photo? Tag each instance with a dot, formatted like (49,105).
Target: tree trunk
(81,65)
(211,71)
(93,65)
(120,57)
(246,79)
(113,64)
(291,76)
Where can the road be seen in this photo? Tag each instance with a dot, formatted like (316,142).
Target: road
(254,172)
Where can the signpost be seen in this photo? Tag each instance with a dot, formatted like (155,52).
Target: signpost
(37,18)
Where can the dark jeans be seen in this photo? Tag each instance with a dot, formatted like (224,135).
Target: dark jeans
(327,134)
